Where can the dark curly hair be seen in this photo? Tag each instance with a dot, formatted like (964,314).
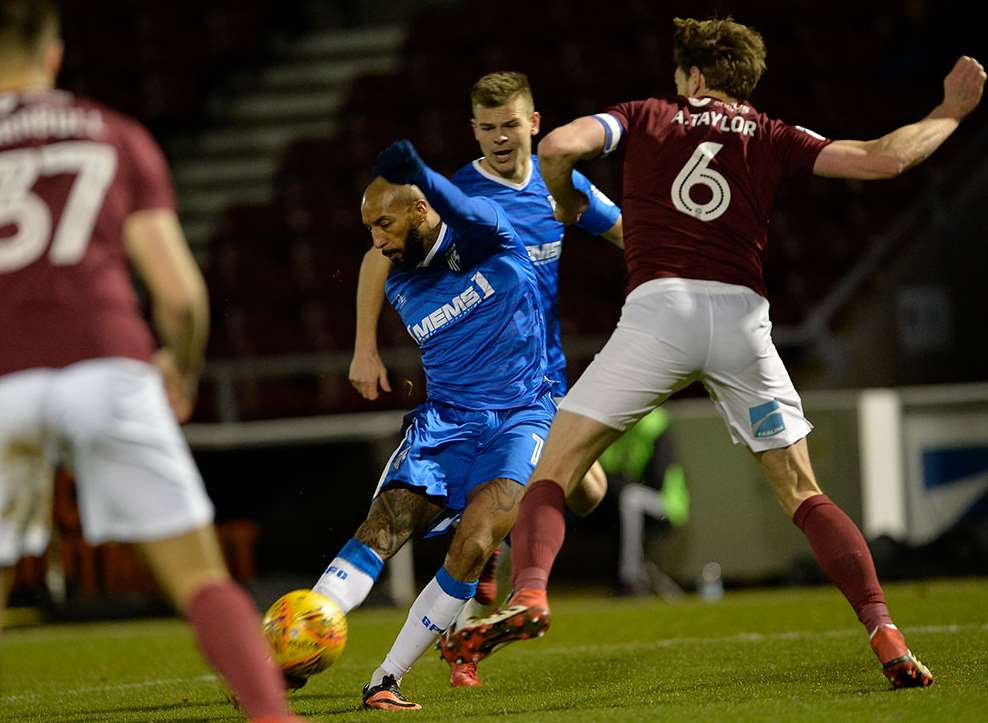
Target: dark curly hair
(731,56)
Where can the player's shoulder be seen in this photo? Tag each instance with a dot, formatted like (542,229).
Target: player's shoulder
(776,127)
(506,230)
(467,174)
(59,114)
(645,106)
(119,128)
(125,125)
(111,116)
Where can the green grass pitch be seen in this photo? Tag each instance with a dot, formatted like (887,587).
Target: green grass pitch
(778,655)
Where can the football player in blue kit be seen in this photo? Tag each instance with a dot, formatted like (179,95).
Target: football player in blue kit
(504,123)
(465,289)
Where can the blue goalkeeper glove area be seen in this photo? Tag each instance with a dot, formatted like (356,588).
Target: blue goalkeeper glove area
(399,163)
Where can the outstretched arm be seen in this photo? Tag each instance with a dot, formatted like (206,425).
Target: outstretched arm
(468,216)
(903,148)
(367,370)
(559,152)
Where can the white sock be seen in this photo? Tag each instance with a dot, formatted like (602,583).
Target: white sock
(433,611)
(351,575)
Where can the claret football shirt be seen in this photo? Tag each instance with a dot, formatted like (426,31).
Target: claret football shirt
(71,172)
(700,178)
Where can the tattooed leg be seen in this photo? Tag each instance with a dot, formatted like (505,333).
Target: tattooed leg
(489,516)
(394,517)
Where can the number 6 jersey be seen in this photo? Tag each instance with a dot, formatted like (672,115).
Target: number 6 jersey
(71,173)
(700,177)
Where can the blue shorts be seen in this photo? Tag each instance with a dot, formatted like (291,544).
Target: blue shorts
(447,451)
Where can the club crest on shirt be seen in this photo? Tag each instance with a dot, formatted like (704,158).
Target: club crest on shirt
(453,259)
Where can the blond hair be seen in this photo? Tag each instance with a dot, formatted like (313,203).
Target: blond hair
(496,89)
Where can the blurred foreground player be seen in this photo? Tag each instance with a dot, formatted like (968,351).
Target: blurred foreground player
(701,171)
(504,122)
(82,189)
(465,289)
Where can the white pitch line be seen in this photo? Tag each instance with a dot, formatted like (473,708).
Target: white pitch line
(105,688)
(644,645)
(752,638)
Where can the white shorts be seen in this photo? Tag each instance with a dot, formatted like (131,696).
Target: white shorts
(109,421)
(676,331)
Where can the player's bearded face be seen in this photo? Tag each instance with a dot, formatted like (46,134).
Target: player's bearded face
(414,251)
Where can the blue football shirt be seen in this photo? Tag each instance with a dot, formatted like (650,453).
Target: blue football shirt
(473,306)
(529,206)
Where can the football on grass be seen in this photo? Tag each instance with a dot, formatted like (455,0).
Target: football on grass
(306,631)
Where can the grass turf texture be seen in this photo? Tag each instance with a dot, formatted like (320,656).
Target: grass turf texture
(788,654)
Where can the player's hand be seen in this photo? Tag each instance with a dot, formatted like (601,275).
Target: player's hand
(399,163)
(570,208)
(963,86)
(367,371)
(180,389)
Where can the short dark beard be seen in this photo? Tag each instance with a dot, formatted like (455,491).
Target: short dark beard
(414,251)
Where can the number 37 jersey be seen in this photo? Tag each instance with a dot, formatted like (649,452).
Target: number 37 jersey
(71,173)
(700,178)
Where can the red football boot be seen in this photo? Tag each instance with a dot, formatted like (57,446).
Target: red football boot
(901,667)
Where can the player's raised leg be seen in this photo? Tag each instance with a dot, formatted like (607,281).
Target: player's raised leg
(574,444)
(489,515)
(394,516)
(465,675)
(843,554)
(190,568)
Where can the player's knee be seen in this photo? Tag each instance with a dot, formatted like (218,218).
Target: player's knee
(191,585)
(791,476)
(467,556)
(186,564)
(589,492)
(381,538)
(393,518)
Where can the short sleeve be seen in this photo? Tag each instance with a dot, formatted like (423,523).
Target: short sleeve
(147,169)
(796,148)
(616,121)
(477,243)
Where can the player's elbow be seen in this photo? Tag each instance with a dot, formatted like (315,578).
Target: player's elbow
(548,148)
(883,160)
(557,146)
(889,165)
(187,298)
